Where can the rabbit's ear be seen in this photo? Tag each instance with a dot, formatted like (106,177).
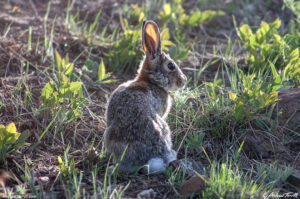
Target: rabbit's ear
(151,38)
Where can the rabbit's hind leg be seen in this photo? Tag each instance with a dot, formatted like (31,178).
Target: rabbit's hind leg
(128,160)
(171,156)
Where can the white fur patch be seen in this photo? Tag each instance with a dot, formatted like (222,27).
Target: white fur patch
(156,165)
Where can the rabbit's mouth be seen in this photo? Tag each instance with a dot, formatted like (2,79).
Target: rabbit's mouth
(178,84)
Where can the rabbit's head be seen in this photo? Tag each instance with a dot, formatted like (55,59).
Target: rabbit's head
(158,68)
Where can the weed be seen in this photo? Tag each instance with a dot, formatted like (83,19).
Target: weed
(252,98)
(267,49)
(195,141)
(271,175)
(71,175)
(225,181)
(175,11)
(11,140)
(176,177)
(294,6)
(90,68)
(67,167)
(62,96)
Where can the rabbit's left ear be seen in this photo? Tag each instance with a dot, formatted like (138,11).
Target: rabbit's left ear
(151,38)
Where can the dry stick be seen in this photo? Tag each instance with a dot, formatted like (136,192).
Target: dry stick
(34,9)
(11,78)
(176,192)
(7,68)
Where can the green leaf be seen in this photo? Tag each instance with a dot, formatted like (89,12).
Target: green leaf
(141,17)
(2,133)
(183,55)
(294,55)
(65,80)
(107,75)
(58,62)
(109,81)
(9,134)
(167,43)
(238,111)
(276,24)
(296,73)
(274,71)
(47,91)
(74,86)
(232,96)
(167,9)
(101,71)
(264,27)
(164,35)
(21,140)
(90,64)
(69,68)
(60,162)
(193,19)
(245,32)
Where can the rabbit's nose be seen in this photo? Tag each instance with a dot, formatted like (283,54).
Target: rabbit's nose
(181,80)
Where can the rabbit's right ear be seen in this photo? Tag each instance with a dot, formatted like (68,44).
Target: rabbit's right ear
(151,38)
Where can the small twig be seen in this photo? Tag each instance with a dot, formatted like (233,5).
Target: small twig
(34,9)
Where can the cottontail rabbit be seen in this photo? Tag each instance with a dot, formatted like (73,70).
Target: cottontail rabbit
(138,108)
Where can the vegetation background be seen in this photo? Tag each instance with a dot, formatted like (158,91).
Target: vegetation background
(239,114)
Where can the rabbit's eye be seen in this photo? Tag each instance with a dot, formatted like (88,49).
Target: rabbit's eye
(171,66)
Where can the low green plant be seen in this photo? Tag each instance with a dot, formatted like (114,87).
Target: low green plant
(199,17)
(62,94)
(11,140)
(90,67)
(67,168)
(251,98)
(71,176)
(134,13)
(195,141)
(294,6)
(272,175)
(173,14)
(80,28)
(267,48)
(176,177)
(226,181)
(106,189)
(102,75)
(175,11)
(125,50)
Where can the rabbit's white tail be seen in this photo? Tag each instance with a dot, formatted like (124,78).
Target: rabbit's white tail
(156,165)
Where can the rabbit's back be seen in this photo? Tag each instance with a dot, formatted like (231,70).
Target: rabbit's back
(132,100)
